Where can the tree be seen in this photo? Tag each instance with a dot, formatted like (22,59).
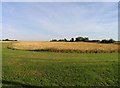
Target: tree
(65,39)
(5,40)
(79,39)
(61,40)
(53,40)
(111,41)
(86,39)
(107,41)
(72,40)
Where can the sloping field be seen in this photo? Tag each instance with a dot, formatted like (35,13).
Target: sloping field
(82,47)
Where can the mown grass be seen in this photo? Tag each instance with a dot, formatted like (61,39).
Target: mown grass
(28,68)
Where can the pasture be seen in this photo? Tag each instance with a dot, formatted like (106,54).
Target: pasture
(23,68)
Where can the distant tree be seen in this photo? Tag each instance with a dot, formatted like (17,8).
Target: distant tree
(61,40)
(65,39)
(79,39)
(104,41)
(53,40)
(72,40)
(86,39)
(94,41)
(107,41)
(6,40)
(111,41)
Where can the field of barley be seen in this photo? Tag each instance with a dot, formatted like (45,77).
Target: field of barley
(82,47)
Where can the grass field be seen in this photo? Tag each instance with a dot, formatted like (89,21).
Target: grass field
(30,68)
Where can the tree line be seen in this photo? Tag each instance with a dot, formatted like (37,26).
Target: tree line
(8,40)
(83,39)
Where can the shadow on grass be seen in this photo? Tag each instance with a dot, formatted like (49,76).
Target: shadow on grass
(13,84)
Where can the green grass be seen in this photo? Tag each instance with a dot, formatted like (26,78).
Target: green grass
(29,68)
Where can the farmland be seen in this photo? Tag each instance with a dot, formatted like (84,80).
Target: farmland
(24,68)
(81,47)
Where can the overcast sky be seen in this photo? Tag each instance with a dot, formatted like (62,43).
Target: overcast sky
(43,21)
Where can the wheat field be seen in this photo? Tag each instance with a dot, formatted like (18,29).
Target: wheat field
(82,47)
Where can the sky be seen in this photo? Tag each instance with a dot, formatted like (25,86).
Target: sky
(60,0)
(43,21)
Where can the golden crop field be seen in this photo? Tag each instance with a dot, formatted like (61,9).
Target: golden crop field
(82,47)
